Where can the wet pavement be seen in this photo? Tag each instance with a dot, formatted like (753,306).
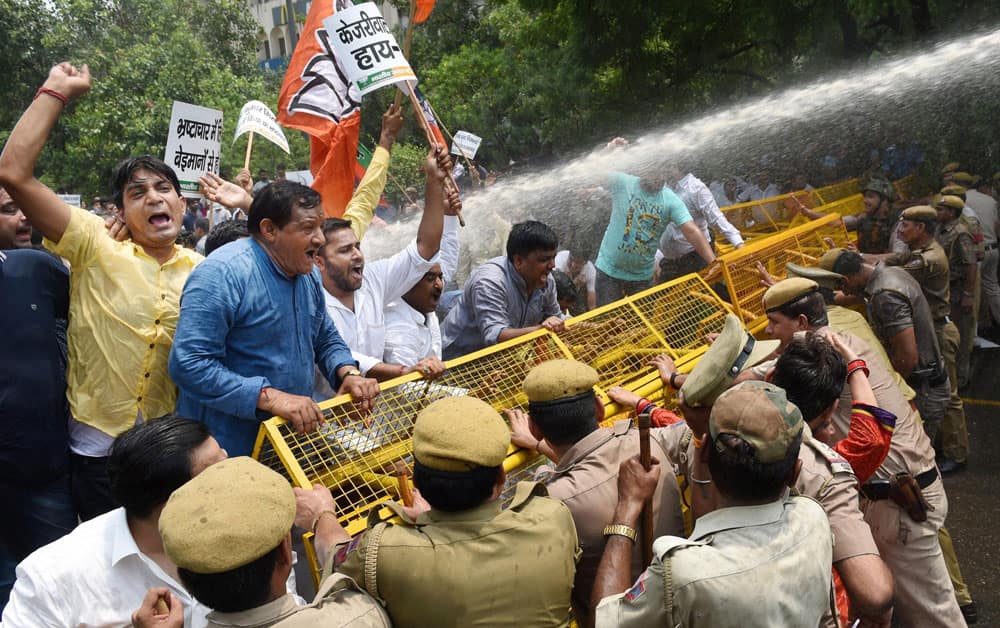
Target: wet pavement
(974,493)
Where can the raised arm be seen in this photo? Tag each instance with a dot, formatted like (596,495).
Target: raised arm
(46,211)
(437,165)
(361,207)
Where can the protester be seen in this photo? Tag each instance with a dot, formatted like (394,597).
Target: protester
(224,233)
(124,295)
(508,296)
(253,324)
(356,293)
(677,257)
(641,208)
(98,574)
(15,230)
(35,485)
(583,275)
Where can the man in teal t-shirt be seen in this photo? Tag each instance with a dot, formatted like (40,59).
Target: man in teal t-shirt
(641,208)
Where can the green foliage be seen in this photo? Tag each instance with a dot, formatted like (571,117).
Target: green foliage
(406,168)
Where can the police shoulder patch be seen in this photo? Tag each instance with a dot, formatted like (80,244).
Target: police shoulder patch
(833,459)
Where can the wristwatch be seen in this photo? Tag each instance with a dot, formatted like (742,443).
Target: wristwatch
(621,530)
(351,372)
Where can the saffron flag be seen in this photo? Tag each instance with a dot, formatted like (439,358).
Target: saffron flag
(424,8)
(317,98)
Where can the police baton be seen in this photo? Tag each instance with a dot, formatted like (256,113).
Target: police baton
(646,522)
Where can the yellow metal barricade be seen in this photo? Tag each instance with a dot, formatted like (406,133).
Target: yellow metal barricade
(836,191)
(358,457)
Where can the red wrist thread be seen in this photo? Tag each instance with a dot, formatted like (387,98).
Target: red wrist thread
(51,92)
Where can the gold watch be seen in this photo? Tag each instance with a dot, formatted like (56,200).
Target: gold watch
(351,372)
(621,530)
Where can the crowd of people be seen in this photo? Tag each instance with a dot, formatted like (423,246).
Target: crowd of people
(150,341)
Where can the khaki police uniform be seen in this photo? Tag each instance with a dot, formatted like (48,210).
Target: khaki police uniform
(735,560)
(928,264)
(586,480)
(895,304)
(339,602)
(846,320)
(481,566)
(957,242)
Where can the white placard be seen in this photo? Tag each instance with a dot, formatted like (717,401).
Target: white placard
(366,49)
(70,199)
(304,177)
(465,143)
(194,144)
(255,116)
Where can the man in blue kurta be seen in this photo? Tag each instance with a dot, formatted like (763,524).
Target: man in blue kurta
(253,323)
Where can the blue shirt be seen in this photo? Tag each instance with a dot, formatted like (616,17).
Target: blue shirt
(638,219)
(34,444)
(494,299)
(245,325)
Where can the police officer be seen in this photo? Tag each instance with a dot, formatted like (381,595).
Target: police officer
(757,535)
(565,413)
(902,320)
(927,262)
(876,227)
(958,243)
(228,530)
(924,594)
(466,561)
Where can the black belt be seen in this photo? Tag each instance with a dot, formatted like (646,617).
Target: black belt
(990,246)
(879,489)
(944,320)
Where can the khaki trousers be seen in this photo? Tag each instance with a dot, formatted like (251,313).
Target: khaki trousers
(953,431)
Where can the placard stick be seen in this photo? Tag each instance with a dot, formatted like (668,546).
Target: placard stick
(418,110)
(400,186)
(472,171)
(406,44)
(647,508)
(403,482)
(246,160)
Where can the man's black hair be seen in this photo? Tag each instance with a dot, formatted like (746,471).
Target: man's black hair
(565,288)
(201,223)
(225,232)
(236,590)
(848,263)
(738,475)
(812,305)
(277,201)
(566,423)
(150,461)
(812,372)
(330,225)
(528,236)
(454,491)
(124,169)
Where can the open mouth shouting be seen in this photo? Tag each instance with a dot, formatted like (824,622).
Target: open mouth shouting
(160,220)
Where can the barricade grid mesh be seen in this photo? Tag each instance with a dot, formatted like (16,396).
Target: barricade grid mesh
(836,191)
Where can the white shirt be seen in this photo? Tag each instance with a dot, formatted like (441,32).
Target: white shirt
(985,208)
(411,336)
(93,576)
(587,276)
(384,280)
(704,211)
(753,192)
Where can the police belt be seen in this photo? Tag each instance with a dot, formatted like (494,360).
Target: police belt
(934,374)
(990,246)
(879,489)
(944,320)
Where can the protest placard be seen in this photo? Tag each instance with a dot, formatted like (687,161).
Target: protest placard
(304,177)
(466,144)
(256,117)
(70,199)
(194,144)
(366,48)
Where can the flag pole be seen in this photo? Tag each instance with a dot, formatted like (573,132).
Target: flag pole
(408,41)
(422,119)
(246,160)
(472,171)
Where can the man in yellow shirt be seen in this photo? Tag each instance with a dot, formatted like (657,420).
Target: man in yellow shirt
(124,296)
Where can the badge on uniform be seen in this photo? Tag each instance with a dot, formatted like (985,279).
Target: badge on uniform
(637,589)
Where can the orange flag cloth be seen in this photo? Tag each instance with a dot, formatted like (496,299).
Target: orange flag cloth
(316,98)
